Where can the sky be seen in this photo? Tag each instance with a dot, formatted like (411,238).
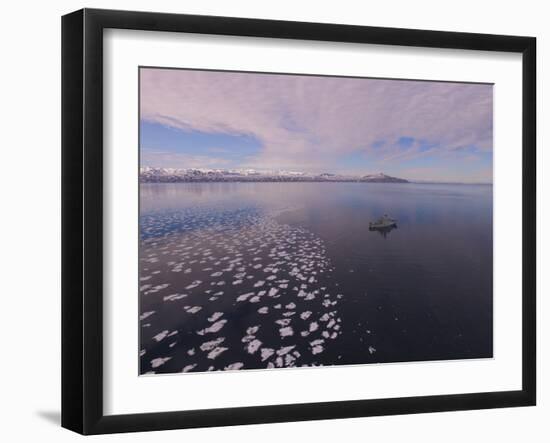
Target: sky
(417,130)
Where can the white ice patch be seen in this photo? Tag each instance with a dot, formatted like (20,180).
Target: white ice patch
(286,331)
(194,284)
(214,328)
(253,346)
(160,336)
(193,309)
(214,353)
(266,353)
(234,366)
(285,350)
(305,315)
(244,297)
(156,362)
(209,345)
(317,349)
(173,297)
(146,314)
(215,316)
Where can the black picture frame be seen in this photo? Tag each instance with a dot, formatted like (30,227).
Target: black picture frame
(82,218)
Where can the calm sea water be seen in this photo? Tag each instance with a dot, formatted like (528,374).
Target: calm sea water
(258,275)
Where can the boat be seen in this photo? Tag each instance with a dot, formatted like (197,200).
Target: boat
(383,222)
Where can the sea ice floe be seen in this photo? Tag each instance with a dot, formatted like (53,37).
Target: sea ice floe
(146,314)
(215,316)
(283,321)
(209,345)
(161,335)
(234,366)
(266,353)
(156,362)
(214,328)
(286,331)
(285,349)
(193,309)
(317,349)
(253,346)
(193,285)
(215,352)
(244,297)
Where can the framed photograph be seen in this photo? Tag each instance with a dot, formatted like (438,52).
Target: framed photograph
(268,221)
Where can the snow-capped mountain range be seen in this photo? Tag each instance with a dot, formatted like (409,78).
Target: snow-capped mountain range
(172,175)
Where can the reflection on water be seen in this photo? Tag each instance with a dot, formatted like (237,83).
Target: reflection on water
(383,231)
(258,275)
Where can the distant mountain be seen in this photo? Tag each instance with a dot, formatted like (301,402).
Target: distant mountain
(172,175)
(382,178)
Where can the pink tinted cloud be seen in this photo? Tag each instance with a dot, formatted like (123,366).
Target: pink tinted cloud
(306,121)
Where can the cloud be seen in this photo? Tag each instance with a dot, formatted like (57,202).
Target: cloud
(158,159)
(311,122)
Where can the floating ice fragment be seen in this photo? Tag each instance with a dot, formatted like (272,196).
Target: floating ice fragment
(189,367)
(214,353)
(317,349)
(214,328)
(209,345)
(215,316)
(146,314)
(244,297)
(266,353)
(156,362)
(253,346)
(234,366)
(160,336)
(193,309)
(286,349)
(372,350)
(286,331)
(194,284)
(283,321)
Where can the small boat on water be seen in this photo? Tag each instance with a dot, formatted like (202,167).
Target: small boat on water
(383,222)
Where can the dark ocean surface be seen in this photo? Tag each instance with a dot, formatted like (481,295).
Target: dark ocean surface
(267,275)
